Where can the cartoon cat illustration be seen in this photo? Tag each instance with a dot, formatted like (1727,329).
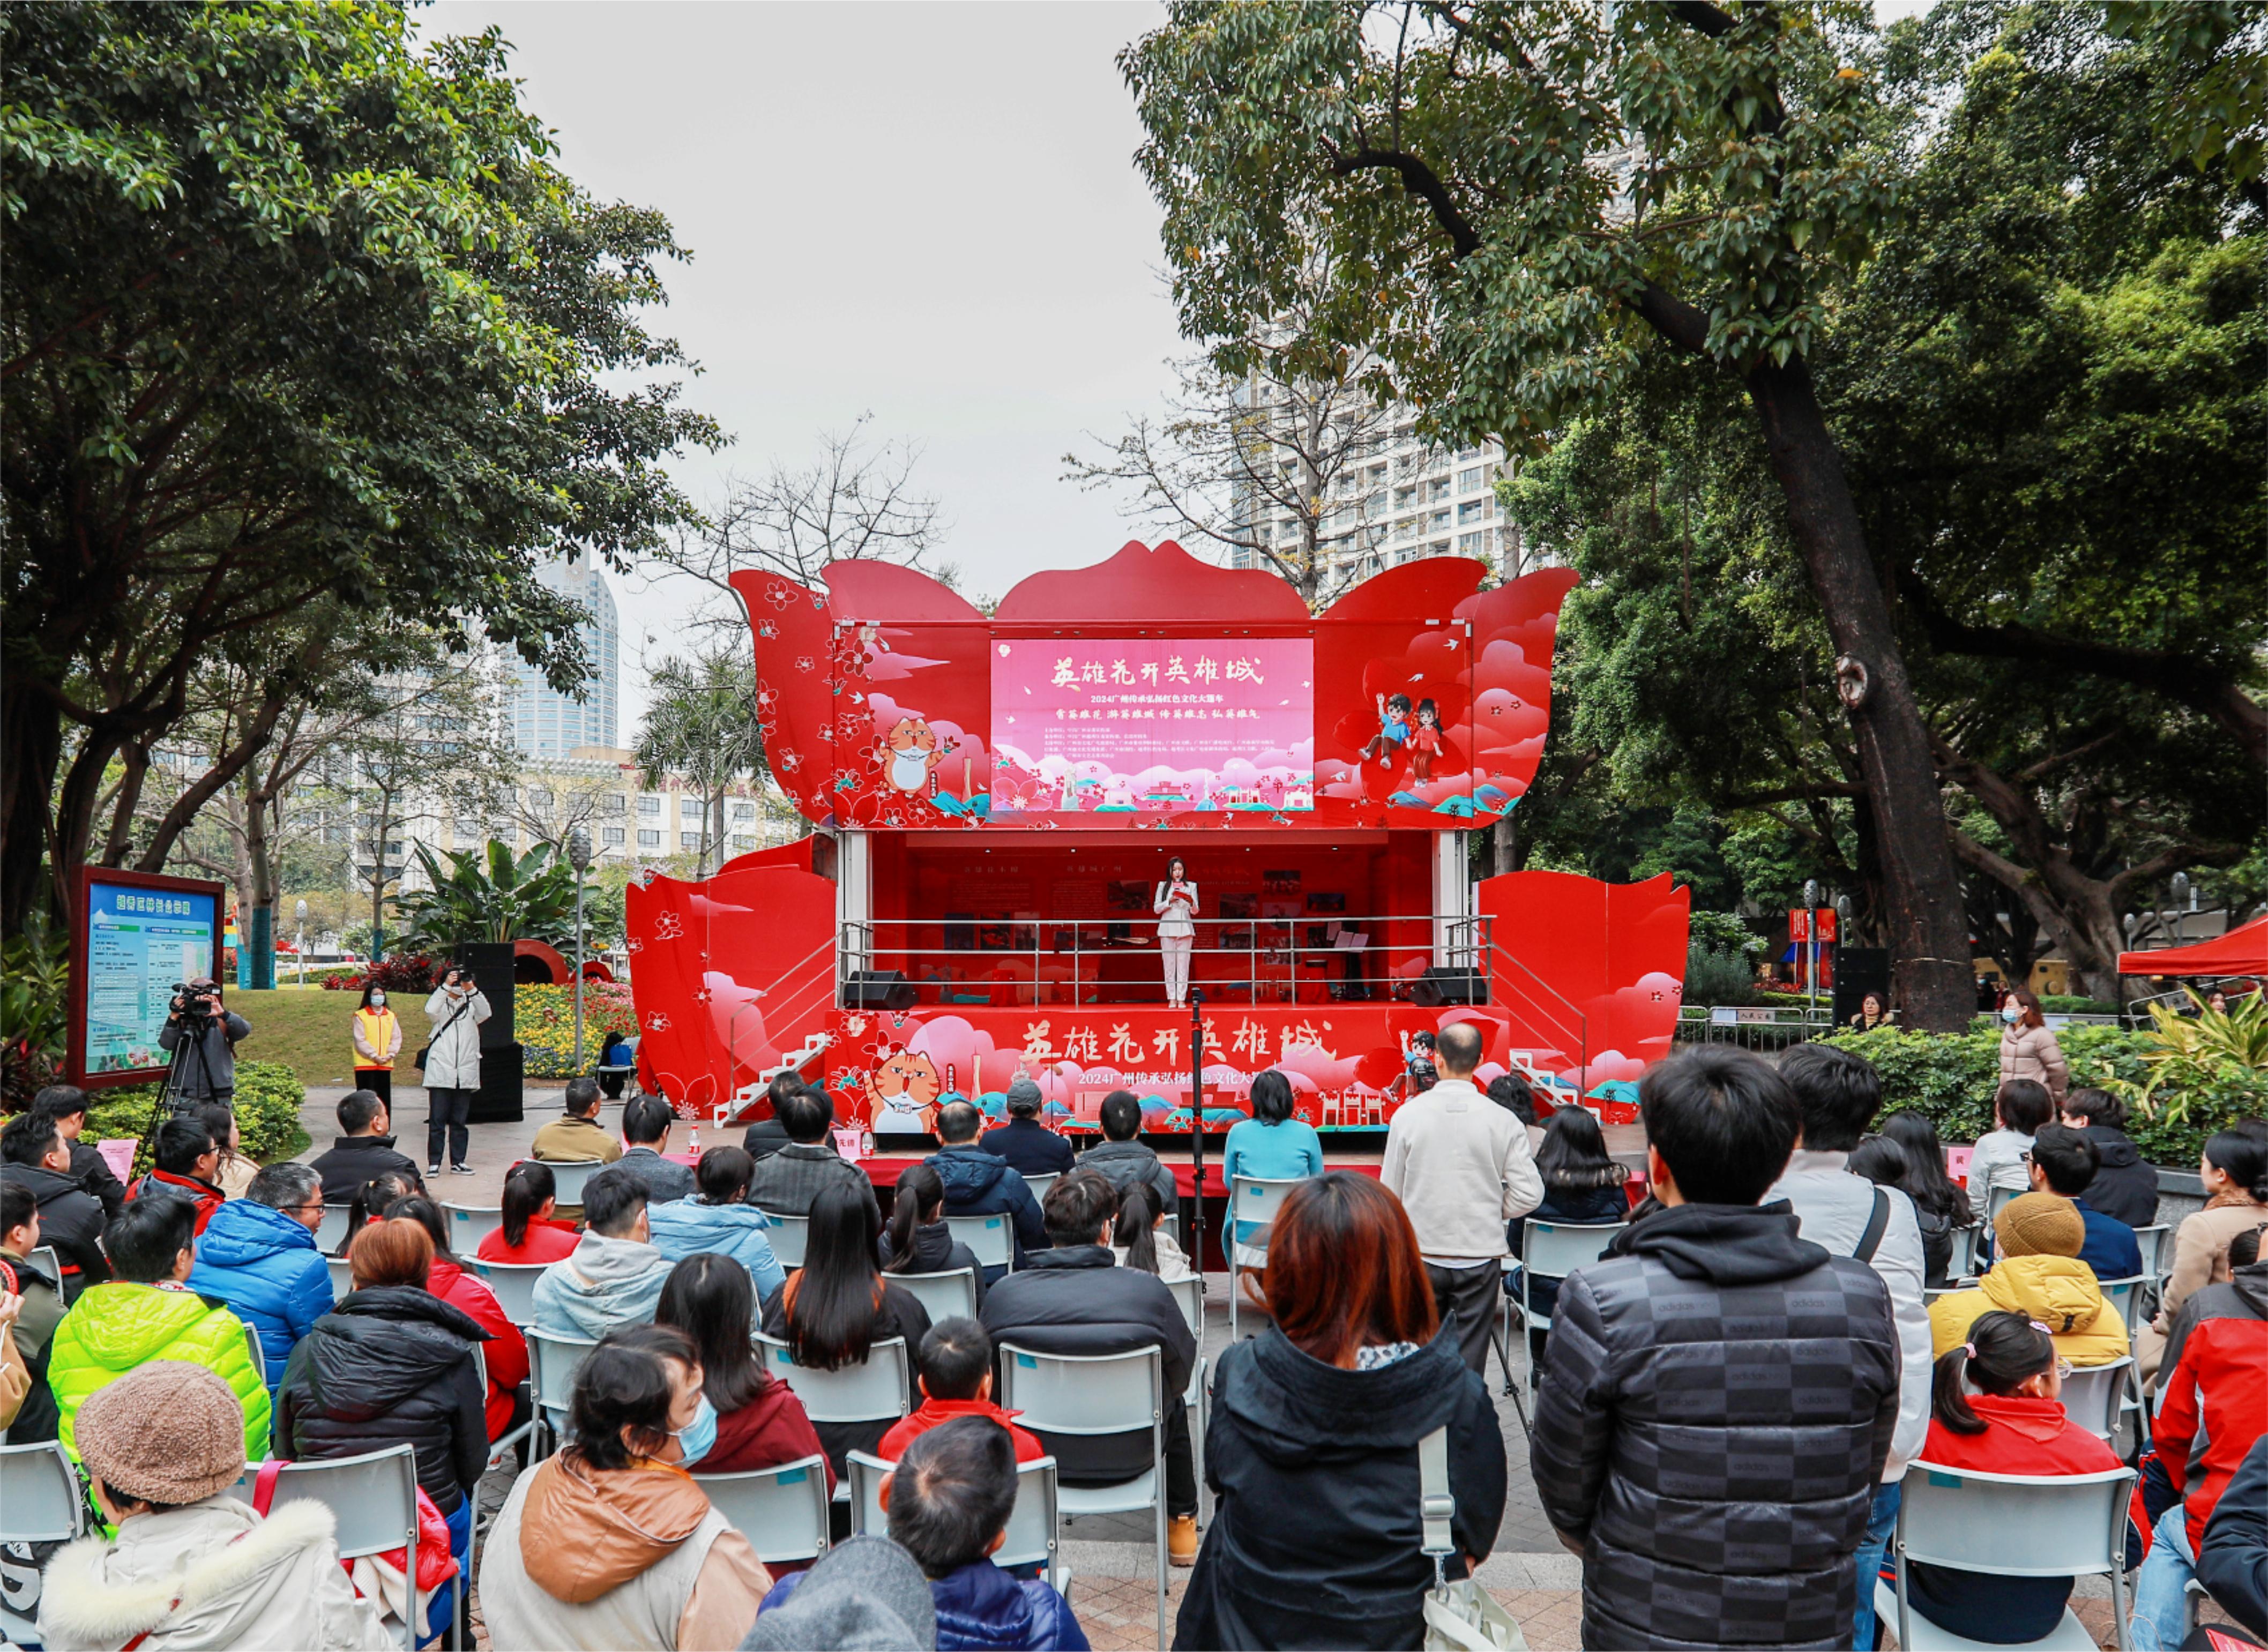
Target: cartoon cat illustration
(909,754)
(902,1094)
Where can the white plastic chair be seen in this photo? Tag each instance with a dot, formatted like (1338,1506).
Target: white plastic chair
(40,1502)
(1094,1396)
(374,1498)
(1188,1296)
(1040,1184)
(991,1239)
(787,1235)
(342,1277)
(781,1511)
(49,1261)
(2153,1240)
(515,1284)
(1995,1199)
(2093,1395)
(258,1354)
(2125,1295)
(947,1295)
(504,1442)
(1035,1524)
(332,1230)
(2008,1525)
(1549,1250)
(470,1224)
(875,1391)
(1962,1263)
(1252,1204)
(569,1175)
(552,1362)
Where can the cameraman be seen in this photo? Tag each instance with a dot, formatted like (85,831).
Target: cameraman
(453,1067)
(210,1034)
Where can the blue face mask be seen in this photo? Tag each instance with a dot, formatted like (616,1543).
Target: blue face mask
(2009,1013)
(698,1437)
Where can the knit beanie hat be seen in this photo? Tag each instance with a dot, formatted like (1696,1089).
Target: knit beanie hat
(1023,1095)
(2040,1224)
(168,1432)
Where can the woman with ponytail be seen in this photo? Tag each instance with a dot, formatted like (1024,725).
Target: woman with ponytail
(1139,1239)
(1995,1409)
(528,1234)
(917,1240)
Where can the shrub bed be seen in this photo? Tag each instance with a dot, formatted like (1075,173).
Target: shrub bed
(269,1095)
(544,1019)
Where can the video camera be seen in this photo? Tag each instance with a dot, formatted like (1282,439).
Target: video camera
(195,998)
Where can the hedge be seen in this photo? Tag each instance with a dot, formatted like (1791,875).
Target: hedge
(269,1095)
(1953,1077)
(543,1020)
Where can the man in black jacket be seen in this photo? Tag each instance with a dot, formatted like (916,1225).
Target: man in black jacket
(66,1104)
(365,1150)
(2233,1564)
(767,1136)
(1076,1299)
(786,1182)
(1030,1147)
(1719,1394)
(2124,1187)
(34,1155)
(979,1183)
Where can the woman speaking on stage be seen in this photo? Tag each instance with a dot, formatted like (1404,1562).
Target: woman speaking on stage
(1176,904)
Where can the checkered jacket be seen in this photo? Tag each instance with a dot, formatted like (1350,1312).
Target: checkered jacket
(1713,1443)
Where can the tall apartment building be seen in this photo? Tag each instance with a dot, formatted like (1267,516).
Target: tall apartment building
(546,724)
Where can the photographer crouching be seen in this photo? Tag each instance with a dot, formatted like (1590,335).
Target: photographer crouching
(201,1036)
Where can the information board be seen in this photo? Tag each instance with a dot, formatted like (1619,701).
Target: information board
(135,938)
(1100,725)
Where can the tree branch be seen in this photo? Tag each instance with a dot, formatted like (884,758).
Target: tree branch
(1420,181)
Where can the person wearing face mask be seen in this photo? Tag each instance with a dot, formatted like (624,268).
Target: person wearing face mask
(611,1542)
(2027,1048)
(377,1041)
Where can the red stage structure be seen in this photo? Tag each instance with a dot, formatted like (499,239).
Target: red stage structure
(999,797)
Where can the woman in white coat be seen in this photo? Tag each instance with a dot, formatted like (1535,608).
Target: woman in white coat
(1176,906)
(453,1067)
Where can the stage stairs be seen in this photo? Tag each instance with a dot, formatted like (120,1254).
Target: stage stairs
(746,1099)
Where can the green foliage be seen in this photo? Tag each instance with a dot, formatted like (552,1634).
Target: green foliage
(2198,1052)
(34,1011)
(491,895)
(2217,113)
(700,723)
(1714,976)
(1724,932)
(2066,1004)
(269,1096)
(544,1019)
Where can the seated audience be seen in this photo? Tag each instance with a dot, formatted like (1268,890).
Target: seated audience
(865,1591)
(35,1156)
(614,1276)
(2213,1409)
(148,1313)
(617,1060)
(532,1231)
(2064,1164)
(1030,1147)
(788,1181)
(1139,1238)
(1122,1160)
(577,1137)
(190,1565)
(233,1172)
(184,1163)
(949,1499)
(506,1405)
(646,1128)
(718,1218)
(1271,1144)
(43,1295)
(257,1255)
(2040,1276)
(364,1149)
(2233,1168)
(2126,1188)
(370,1202)
(757,1421)
(839,1303)
(607,1545)
(2012,1424)
(2232,1565)
(1582,1186)
(1311,1451)
(66,1104)
(918,1240)
(1712,1363)
(1940,1205)
(2021,1107)
(956,1381)
(1512,1093)
(1075,1299)
(977,1183)
(767,1136)
(16,1377)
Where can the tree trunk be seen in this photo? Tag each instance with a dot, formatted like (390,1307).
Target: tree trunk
(1928,937)
(31,747)
(257,931)
(1503,844)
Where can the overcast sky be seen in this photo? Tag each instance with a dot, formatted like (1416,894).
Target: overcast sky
(925,212)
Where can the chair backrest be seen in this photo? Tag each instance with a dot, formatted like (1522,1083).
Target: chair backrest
(870,1393)
(1963,1262)
(1188,1296)
(942,1295)
(782,1510)
(258,1354)
(1553,1249)
(49,1261)
(1083,1393)
(1252,1204)
(40,1498)
(342,1277)
(2092,1393)
(332,1230)
(787,1235)
(552,1362)
(1033,1524)
(2152,1240)
(515,1284)
(988,1238)
(2013,1524)
(2125,1295)
(1994,1201)
(374,1495)
(1040,1184)
(470,1224)
(569,1175)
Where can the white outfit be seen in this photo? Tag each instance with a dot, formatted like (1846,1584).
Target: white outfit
(1462,1167)
(1177,937)
(453,1061)
(1998,1161)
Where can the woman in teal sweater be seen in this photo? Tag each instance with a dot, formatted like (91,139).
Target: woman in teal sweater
(1271,1144)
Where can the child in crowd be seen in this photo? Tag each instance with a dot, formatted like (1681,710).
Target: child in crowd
(956,1381)
(2013,1424)
(1141,1238)
(1940,1205)
(529,1235)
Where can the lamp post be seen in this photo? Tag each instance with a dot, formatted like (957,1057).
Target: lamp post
(1811,941)
(299,938)
(578,856)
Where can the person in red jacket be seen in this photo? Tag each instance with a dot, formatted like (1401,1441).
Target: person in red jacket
(2013,1424)
(529,1233)
(505,1351)
(187,1160)
(956,1381)
(2214,1405)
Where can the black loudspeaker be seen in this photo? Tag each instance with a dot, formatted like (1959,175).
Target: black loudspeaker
(1439,986)
(1859,970)
(497,1100)
(491,964)
(878,989)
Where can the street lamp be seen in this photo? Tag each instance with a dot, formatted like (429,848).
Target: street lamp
(299,938)
(1811,935)
(578,856)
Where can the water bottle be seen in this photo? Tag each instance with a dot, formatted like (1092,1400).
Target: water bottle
(696,1140)
(866,1145)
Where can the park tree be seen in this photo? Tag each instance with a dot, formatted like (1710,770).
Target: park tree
(297,308)
(700,724)
(1525,203)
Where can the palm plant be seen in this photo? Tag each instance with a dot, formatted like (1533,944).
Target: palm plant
(700,723)
(2188,1052)
(489,894)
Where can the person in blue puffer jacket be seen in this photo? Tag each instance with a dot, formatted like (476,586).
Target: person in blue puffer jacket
(719,1219)
(257,1255)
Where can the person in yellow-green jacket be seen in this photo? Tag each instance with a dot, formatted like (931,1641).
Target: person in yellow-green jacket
(147,1313)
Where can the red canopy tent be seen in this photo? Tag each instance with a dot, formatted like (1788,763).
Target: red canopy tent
(2243,950)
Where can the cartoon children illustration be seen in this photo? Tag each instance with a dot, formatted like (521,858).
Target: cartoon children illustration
(1426,740)
(909,755)
(1393,730)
